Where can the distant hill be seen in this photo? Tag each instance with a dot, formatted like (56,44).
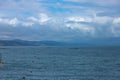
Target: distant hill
(29,43)
(81,42)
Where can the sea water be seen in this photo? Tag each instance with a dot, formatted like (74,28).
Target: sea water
(60,63)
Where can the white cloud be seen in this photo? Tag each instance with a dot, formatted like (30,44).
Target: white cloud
(4,20)
(12,22)
(32,19)
(95,19)
(79,19)
(86,25)
(27,24)
(89,27)
(76,19)
(102,20)
(115,27)
(15,22)
(43,18)
(116,20)
(86,29)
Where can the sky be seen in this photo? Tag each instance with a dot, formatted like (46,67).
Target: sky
(59,20)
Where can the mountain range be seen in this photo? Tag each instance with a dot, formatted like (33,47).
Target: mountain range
(82,42)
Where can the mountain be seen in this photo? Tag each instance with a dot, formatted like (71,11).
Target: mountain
(81,42)
(17,42)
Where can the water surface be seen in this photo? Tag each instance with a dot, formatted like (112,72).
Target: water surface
(60,63)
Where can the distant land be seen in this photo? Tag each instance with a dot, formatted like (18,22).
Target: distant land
(82,42)
(18,42)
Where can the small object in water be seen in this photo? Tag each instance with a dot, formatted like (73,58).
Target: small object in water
(30,71)
(23,77)
(32,61)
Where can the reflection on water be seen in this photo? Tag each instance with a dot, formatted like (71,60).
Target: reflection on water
(60,63)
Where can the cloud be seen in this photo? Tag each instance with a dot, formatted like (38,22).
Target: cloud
(102,20)
(85,29)
(20,5)
(12,22)
(116,20)
(99,2)
(79,19)
(115,27)
(79,23)
(32,19)
(59,19)
(27,24)
(4,35)
(95,26)
(109,13)
(15,22)
(43,18)
(90,26)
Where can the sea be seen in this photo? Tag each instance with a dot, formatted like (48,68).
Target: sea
(60,63)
